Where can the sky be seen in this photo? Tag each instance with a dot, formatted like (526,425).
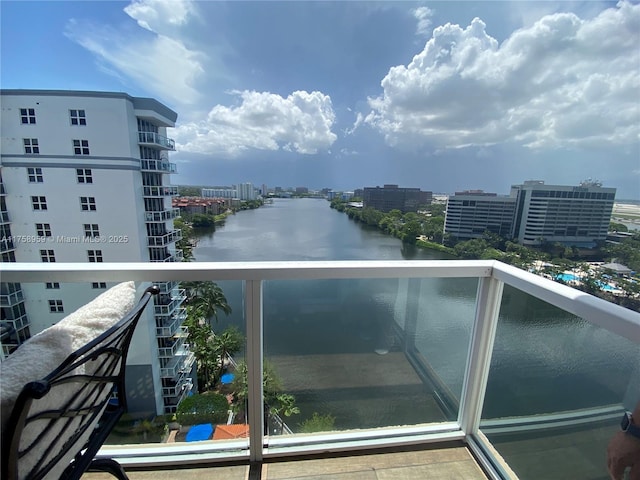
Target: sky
(444,96)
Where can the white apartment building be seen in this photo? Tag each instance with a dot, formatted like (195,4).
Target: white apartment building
(534,213)
(85,179)
(243,191)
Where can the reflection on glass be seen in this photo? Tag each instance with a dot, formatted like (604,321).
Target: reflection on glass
(356,353)
(556,390)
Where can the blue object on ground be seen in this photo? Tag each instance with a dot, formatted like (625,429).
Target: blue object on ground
(199,432)
(227,378)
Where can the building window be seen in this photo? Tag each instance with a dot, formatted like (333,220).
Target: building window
(27,116)
(91,230)
(55,306)
(34,174)
(95,256)
(81,147)
(84,175)
(31,146)
(87,204)
(77,117)
(102,285)
(39,203)
(43,229)
(8,257)
(47,256)
(52,286)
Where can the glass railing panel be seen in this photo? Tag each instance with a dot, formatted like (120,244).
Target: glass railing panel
(212,413)
(354,354)
(556,390)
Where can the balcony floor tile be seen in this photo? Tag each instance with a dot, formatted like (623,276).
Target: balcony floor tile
(410,463)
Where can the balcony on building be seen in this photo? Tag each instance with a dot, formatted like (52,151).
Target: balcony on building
(6,245)
(4,218)
(160,191)
(440,369)
(156,140)
(152,165)
(161,217)
(10,294)
(180,363)
(165,239)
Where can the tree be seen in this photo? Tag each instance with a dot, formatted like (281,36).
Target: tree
(226,344)
(617,227)
(209,407)
(187,242)
(275,400)
(285,404)
(318,423)
(206,299)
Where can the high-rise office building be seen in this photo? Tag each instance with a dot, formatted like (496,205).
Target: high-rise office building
(535,213)
(85,179)
(573,215)
(469,215)
(392,197)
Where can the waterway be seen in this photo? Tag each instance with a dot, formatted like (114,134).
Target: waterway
(343,347)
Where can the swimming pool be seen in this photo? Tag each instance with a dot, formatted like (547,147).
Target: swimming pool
(568,277)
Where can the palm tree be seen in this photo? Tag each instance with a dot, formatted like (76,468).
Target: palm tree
(226,344)
(204,300)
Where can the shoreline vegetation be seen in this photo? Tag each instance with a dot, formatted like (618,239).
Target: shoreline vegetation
(578,267)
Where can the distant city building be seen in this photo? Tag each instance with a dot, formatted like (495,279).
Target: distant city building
(469,215)
(302,190)
(205,206)
(358,192)
(243,191)
(392,197)
(219,193)
(570,215)
(246,191)
(481,193)
(86,178)
(534,213)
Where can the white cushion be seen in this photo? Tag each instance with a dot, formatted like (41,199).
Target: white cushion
(42,353)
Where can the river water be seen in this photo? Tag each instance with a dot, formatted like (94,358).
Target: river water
(341,347)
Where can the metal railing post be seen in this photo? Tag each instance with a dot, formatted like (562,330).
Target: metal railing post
(483,335)
(255,399)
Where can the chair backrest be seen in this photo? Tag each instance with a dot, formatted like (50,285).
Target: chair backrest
(59,423)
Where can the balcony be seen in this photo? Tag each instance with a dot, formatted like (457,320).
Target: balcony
(11,299)
(156,140)
(161,217)
(442,365)
(179,364)
(168,327)
(166,239)
(169,352)
(152,165)
(171,307)
(6,245)
(163,191)
(4,217)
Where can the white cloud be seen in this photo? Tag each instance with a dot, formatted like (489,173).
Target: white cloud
(154,15)
(159,61)
(161,64)
(423,15)
(356,124)
(563,81)
(300,123)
